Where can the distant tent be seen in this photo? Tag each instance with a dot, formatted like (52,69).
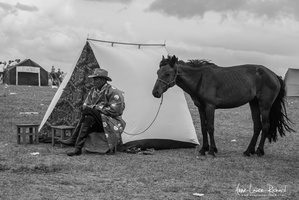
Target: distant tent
(2,68)
(133,70)
(1,72)
(27,72)
(291,80)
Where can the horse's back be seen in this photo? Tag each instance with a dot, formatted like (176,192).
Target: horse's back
(257,75)
(237,85)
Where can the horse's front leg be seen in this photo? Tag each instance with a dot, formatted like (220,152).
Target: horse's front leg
(210,115)
(203,122)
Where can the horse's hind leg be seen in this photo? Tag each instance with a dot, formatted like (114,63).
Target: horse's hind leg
(255,114)
(265,103)
(265,128)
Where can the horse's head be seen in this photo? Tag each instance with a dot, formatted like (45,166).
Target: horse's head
(166,76)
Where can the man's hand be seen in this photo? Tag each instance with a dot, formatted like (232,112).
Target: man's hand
(88,106)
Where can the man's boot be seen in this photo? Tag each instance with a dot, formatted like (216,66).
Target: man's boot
(72,140)
(76,152)
(84,131)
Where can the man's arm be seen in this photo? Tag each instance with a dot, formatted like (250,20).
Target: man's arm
(115,105)
(88,100)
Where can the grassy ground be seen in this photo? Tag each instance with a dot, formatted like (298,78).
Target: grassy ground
(169,174)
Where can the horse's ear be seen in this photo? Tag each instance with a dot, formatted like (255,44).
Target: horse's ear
(174,60)
(163,58)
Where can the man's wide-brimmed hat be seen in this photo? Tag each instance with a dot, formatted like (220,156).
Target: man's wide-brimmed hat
(98,72)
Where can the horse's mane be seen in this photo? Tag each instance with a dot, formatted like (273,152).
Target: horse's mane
(196,62)
(190,62)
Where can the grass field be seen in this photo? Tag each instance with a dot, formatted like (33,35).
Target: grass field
(168,174)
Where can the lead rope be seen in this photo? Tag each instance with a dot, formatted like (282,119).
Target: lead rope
(150,123)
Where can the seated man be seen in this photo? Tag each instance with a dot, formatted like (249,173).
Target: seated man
(102,112)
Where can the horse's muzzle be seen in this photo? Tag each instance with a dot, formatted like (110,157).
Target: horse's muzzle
(156,93)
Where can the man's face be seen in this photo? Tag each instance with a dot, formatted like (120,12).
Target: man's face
(98,82)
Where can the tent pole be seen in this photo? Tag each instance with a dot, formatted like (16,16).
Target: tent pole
(125,43)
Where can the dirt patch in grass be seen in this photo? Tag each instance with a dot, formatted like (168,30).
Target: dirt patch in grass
(168,174)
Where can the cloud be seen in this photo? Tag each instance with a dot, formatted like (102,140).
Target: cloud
(129,31)
(190,8)
(13,9)
(24,7)
(7,9)
(5,6)
(47,36)
(229,57)
(227,32)
(112,1)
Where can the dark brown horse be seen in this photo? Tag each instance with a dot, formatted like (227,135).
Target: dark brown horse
(212,87)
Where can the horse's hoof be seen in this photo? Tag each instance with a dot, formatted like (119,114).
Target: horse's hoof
(201,157)
(215,150)
(247,154)
(211,154)
(202,153)
(260,152)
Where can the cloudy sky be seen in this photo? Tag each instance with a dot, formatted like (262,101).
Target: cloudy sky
(228,32)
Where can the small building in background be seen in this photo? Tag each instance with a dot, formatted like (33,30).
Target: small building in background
(291,81)
(27,72)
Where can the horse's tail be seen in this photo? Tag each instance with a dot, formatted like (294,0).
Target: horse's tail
(279,121)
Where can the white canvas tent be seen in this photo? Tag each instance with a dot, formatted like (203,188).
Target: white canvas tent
(133,70)
(291,80)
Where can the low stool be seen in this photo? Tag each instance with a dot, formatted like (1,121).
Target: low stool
(27,131)
(96,142)
(61,132)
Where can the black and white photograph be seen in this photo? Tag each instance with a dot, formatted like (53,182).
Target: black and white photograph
(149,99)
